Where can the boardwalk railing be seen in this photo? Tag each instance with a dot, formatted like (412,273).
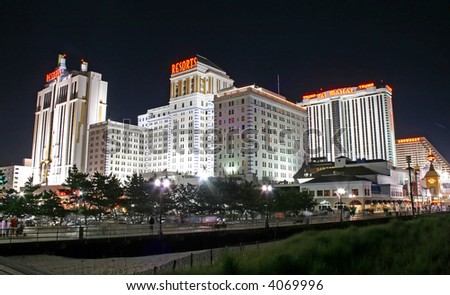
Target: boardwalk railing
(106,230)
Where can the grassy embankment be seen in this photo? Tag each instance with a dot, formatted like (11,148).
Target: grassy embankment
(420,246)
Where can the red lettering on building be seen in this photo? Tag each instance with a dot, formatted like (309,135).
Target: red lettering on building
(184,65)
(309,96)
(53,75)
(364,86)
(335,92)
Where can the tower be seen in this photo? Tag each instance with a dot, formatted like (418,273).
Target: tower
(355,122)
(180,136)
(432,184)
(68,104)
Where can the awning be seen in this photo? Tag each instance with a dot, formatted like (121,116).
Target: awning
(355,202)
(368,202)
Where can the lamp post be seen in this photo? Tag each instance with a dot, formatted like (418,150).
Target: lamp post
(266,190)
(341,192)
(408,160)
(440,197)
(161,186)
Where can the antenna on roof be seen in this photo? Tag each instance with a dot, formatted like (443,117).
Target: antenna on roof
(278,80)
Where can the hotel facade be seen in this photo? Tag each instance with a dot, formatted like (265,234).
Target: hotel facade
(180,135)
(355,122)
(258,133)
(68,104)
(116,148)
(418,148)
(16,175)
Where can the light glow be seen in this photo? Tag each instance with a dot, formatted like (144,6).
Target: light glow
(408,140)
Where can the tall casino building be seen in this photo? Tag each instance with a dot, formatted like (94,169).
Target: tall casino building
(69,102)
(355,122)
(180,135)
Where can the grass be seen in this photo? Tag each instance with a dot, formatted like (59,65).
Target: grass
(415,247)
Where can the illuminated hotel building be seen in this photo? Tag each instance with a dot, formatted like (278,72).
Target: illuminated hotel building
(355,122)
(16,175)
(419,148)
(116,148)
(180,135)
(68,104)
(258,133)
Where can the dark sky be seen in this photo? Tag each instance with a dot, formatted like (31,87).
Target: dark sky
(309,44)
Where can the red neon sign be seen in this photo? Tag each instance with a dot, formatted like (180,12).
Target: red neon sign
(309,96)
(408,140)
(184,65)
(364,86)
(53,75)
(334,92)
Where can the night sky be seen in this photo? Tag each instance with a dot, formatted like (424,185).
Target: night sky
(309,44)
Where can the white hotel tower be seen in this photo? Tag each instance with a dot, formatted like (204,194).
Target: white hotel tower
(180,136)
(355,122)
(68,104)
(258,133)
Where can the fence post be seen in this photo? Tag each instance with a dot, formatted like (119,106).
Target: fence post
(174,265)
(192,260)
(211,256)
(57,233)
(80,232)
(155,268)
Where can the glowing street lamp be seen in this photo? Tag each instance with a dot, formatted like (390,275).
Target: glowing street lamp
(341,192)
(161,185)
(267,189)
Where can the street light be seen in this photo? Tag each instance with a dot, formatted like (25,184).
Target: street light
(161,185)
(408,160)
(341,192)
(266,190)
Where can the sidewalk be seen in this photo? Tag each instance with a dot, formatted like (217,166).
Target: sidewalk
(11,267)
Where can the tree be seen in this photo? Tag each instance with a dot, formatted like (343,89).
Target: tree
(209,198)
(105,194)
(14,204)
(32,199)
(138,197)
(51,204)
(230,195)
(78,187)
(250,198)
(294,200)
(182,199)
(18,204)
